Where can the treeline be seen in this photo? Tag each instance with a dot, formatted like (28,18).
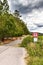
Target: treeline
(10,24)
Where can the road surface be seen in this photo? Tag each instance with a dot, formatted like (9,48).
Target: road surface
(18,41)
(13,43)
(10,55)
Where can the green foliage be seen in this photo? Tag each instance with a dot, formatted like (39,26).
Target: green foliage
(24,28)
(35,61)
(11,26)
(34,50)
(4,7)
(1,7)
(26,41)
(17,13)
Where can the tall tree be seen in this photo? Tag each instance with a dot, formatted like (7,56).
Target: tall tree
(5,6)
(1,7)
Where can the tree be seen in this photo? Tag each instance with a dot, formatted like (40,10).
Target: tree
(17,14)
(5,6)
(7,26)
(1,7)
(25,29)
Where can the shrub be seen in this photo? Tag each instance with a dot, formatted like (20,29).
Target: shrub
(26,41)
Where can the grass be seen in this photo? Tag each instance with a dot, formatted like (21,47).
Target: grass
(35,61)
(34,50)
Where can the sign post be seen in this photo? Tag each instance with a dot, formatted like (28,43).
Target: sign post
(35,36)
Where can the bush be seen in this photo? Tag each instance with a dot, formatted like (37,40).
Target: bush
(34,49)
(26,41)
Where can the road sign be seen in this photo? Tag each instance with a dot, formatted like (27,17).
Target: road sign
(35,34)
(35,39)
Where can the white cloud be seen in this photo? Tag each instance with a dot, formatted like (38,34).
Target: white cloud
(23,2)
(39,30)
(36,17)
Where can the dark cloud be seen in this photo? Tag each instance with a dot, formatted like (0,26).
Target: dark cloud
(27,9)
(38,5)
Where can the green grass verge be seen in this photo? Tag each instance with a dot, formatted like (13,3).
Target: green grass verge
(34,50)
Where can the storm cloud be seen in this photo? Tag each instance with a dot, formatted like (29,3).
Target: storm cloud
(31,11)
(33,5)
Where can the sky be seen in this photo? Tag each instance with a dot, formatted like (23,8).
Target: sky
(31,11)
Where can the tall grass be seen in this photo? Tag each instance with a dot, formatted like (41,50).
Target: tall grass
(34,50)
